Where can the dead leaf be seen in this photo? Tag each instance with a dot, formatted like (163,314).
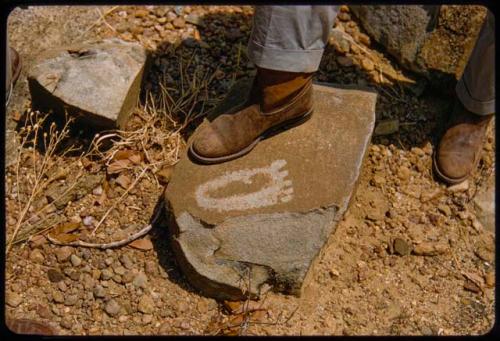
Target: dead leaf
(386,127)
(123,154)
(118,166)
(66,228)
(143,244)
(135,158)
(123,180)
(430,249)
(65,238)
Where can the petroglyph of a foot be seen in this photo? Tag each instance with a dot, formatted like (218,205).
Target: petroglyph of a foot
(277,189)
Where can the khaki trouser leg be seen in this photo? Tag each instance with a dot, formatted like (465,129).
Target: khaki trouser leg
(476,88)
(290,38)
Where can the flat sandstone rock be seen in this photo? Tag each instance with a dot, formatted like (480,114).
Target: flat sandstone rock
(264,218)
(98,81)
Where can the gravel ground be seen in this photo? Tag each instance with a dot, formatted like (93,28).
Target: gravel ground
(410,256)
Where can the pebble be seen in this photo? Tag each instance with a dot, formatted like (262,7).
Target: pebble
(146,304)
(112,307)
(489,279)
(99,291)
(147,319)
(98,190)
(179,23)
(38,241)
(150,267)
(67,323)
(403,173)
(140,280)
(75,260)
(37,256)
(119,270)
(194,19)
(401,247)
(58,297)
(109,261)
(88,221)
(461,187)
(86,254)
(106,274)
(128,277)
(364,39)
(62,286)
(12,299)
(367,64)
(63,253)
(70,300)
(171,16)
(126,261)
(55,276)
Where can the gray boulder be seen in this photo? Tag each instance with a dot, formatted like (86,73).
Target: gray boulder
(264,218)
(98,81)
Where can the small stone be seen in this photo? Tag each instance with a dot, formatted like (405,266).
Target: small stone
(67,323)
(344,61)
(38,241)
(471,286)
(12,299)
(364,39)
(150,267)
(128,277)
(108,261)
(99,291)
(88,221)
(171,16)
(70,300)
(37,256)
(403,173)
(146,304)
(112,307)
(119,270)
(141,13)
(98,190)
(179,23)
(62,286)
(484,253)
(117,279)
(106,274)
(55,276)
(58,297)
(461,187)
(401,247)
(194,19)
(367,64)
(489,279)
(140,280)
(126,261)
(63,253)
(147,319)
(75,260)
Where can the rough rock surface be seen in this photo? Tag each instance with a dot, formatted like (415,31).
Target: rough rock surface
(484,203)
(434,41)
(100,81)
(401,29)
(263,218)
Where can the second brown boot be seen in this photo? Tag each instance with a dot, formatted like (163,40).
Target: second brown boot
(278,100)
(460,147)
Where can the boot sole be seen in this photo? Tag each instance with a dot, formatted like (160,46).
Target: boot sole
(268,133)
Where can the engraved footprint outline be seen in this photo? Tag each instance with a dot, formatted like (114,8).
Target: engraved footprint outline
(279,189)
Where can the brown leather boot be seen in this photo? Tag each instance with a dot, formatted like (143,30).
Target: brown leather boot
(277,100)
(460,147)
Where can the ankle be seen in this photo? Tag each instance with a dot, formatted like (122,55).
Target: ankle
(276,88)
